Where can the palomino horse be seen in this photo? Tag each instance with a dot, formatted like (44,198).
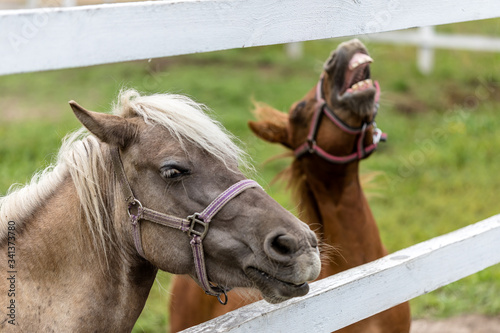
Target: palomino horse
(329,131)
(82,243)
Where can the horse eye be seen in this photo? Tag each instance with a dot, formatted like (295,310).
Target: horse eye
(170,172)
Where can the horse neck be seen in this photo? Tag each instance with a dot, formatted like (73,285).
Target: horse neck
(57,252)
(334,201)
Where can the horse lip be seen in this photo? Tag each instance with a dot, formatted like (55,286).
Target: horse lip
(269,276)
(269,284)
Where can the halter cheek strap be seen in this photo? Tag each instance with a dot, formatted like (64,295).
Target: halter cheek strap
(310,146)
(196,225)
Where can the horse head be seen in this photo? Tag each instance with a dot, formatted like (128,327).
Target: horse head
(335,120)
(177,162)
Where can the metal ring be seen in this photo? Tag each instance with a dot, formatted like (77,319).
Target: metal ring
(311,146)
(225,297)
(139,210)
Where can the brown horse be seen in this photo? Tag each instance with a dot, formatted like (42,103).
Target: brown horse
(82,243)
(329,131)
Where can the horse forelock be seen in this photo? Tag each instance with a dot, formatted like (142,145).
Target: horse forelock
(186,120)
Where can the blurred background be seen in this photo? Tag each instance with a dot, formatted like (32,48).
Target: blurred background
(439,170)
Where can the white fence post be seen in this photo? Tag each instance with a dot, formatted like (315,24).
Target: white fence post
(427,41)
(425,53)
(294,50)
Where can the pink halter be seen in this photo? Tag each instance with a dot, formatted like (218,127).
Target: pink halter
(310,146)
(196,225)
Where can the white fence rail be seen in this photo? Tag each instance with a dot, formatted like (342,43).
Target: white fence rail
(427,40)
(52,38)
(345,298)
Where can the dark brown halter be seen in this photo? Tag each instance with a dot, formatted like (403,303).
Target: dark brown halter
(196,225)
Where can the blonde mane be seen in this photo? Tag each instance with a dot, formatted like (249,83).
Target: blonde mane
(84,157)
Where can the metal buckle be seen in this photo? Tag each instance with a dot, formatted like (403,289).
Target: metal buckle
(311,145)
(193,221)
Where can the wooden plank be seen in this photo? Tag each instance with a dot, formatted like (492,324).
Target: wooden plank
(52,38)
(350,296)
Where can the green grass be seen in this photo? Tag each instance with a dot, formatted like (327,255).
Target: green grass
(439,167)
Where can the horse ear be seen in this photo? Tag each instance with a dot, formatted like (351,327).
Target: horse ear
(108,128)
(272,126)
(330,62)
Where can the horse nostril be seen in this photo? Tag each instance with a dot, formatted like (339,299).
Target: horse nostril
(284,244)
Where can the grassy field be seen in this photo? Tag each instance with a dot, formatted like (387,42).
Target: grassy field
(439,167)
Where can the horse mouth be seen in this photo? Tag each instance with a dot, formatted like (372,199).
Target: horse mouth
(273,289)
(357,76)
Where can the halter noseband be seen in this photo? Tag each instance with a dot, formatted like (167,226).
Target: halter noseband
(196,225)
(310,146)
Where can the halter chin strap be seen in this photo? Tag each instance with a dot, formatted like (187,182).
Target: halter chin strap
(310,146)
(196,225)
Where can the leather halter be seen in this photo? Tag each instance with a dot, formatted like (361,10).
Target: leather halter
(310,146)
(196,225)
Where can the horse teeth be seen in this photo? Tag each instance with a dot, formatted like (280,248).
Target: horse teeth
(361,85)
(359,59)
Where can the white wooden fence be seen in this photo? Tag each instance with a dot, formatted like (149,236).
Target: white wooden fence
(426,39)
(347,297)
(52,38)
